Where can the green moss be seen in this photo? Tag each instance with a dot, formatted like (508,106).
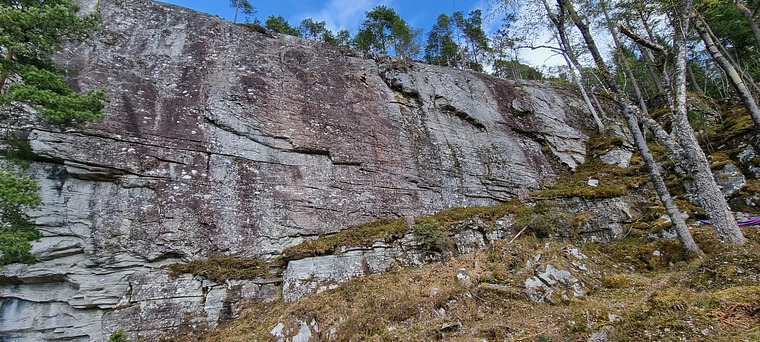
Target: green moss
(736,122)
(752,187)
(614,181)
(659,152)
(489,215)
(599,144)
(388,230)
(718,165)
(364,235)
(659,113)
(643,304)
(726,265)
(222,268)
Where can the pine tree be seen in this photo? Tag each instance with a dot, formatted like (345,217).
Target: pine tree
(280,25)
(31,31)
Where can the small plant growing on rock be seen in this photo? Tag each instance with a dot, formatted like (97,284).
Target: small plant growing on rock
(120,336)
(431,238)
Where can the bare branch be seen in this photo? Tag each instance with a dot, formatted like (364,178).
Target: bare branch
(536,47)
(641,40)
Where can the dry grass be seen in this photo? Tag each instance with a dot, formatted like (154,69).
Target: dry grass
(638,299)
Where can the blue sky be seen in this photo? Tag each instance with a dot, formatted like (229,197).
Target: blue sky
(340,14)
(349,14)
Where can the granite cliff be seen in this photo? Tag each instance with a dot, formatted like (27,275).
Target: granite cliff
(221,140)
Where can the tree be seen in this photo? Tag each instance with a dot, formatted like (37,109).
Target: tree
(733,76)
(710,195)
(516,70)
(441,48)
(315,30)
(280,25)
(742,7)
(343,38)
(242,6)
(383,31)
(18,193)
(476,42)
(30,32)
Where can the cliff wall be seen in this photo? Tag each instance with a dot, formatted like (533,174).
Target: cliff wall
(221,140)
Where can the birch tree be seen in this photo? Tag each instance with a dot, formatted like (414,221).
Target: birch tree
(711,197)
(733,75)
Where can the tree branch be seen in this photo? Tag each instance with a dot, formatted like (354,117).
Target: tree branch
(641,40)
(536,47)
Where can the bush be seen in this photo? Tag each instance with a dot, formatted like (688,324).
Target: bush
(431,238)
(18,193)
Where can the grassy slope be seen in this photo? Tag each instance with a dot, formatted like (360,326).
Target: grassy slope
(639,295)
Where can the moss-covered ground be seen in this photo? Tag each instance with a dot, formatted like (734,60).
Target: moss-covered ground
(222,268)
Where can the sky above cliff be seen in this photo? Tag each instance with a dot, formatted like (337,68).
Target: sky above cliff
(340,14)
(349,14)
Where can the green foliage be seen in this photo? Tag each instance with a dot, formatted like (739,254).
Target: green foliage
(280,25)
(222,268)
(476,49)
(315,30)
(441,48)
(57,103)
(343,38)
(431,237)
(18,193)
(727,23)
(383,31)
(30,32)
(515,70)
(243,6)
(17,152)
(119,336)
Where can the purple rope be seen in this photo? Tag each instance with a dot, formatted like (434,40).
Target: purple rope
(752,222)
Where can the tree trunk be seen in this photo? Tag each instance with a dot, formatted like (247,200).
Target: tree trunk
(712,199)
(622,57)
(733,75)
(570,55)
(752,23)
(649,59)
(590,43)
(586,99)
(748,81)
(693,79)
(237,6)
(684,236)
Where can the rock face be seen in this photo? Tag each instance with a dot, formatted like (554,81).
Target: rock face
(225,141)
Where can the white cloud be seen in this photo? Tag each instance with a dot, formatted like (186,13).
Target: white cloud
(344,14)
